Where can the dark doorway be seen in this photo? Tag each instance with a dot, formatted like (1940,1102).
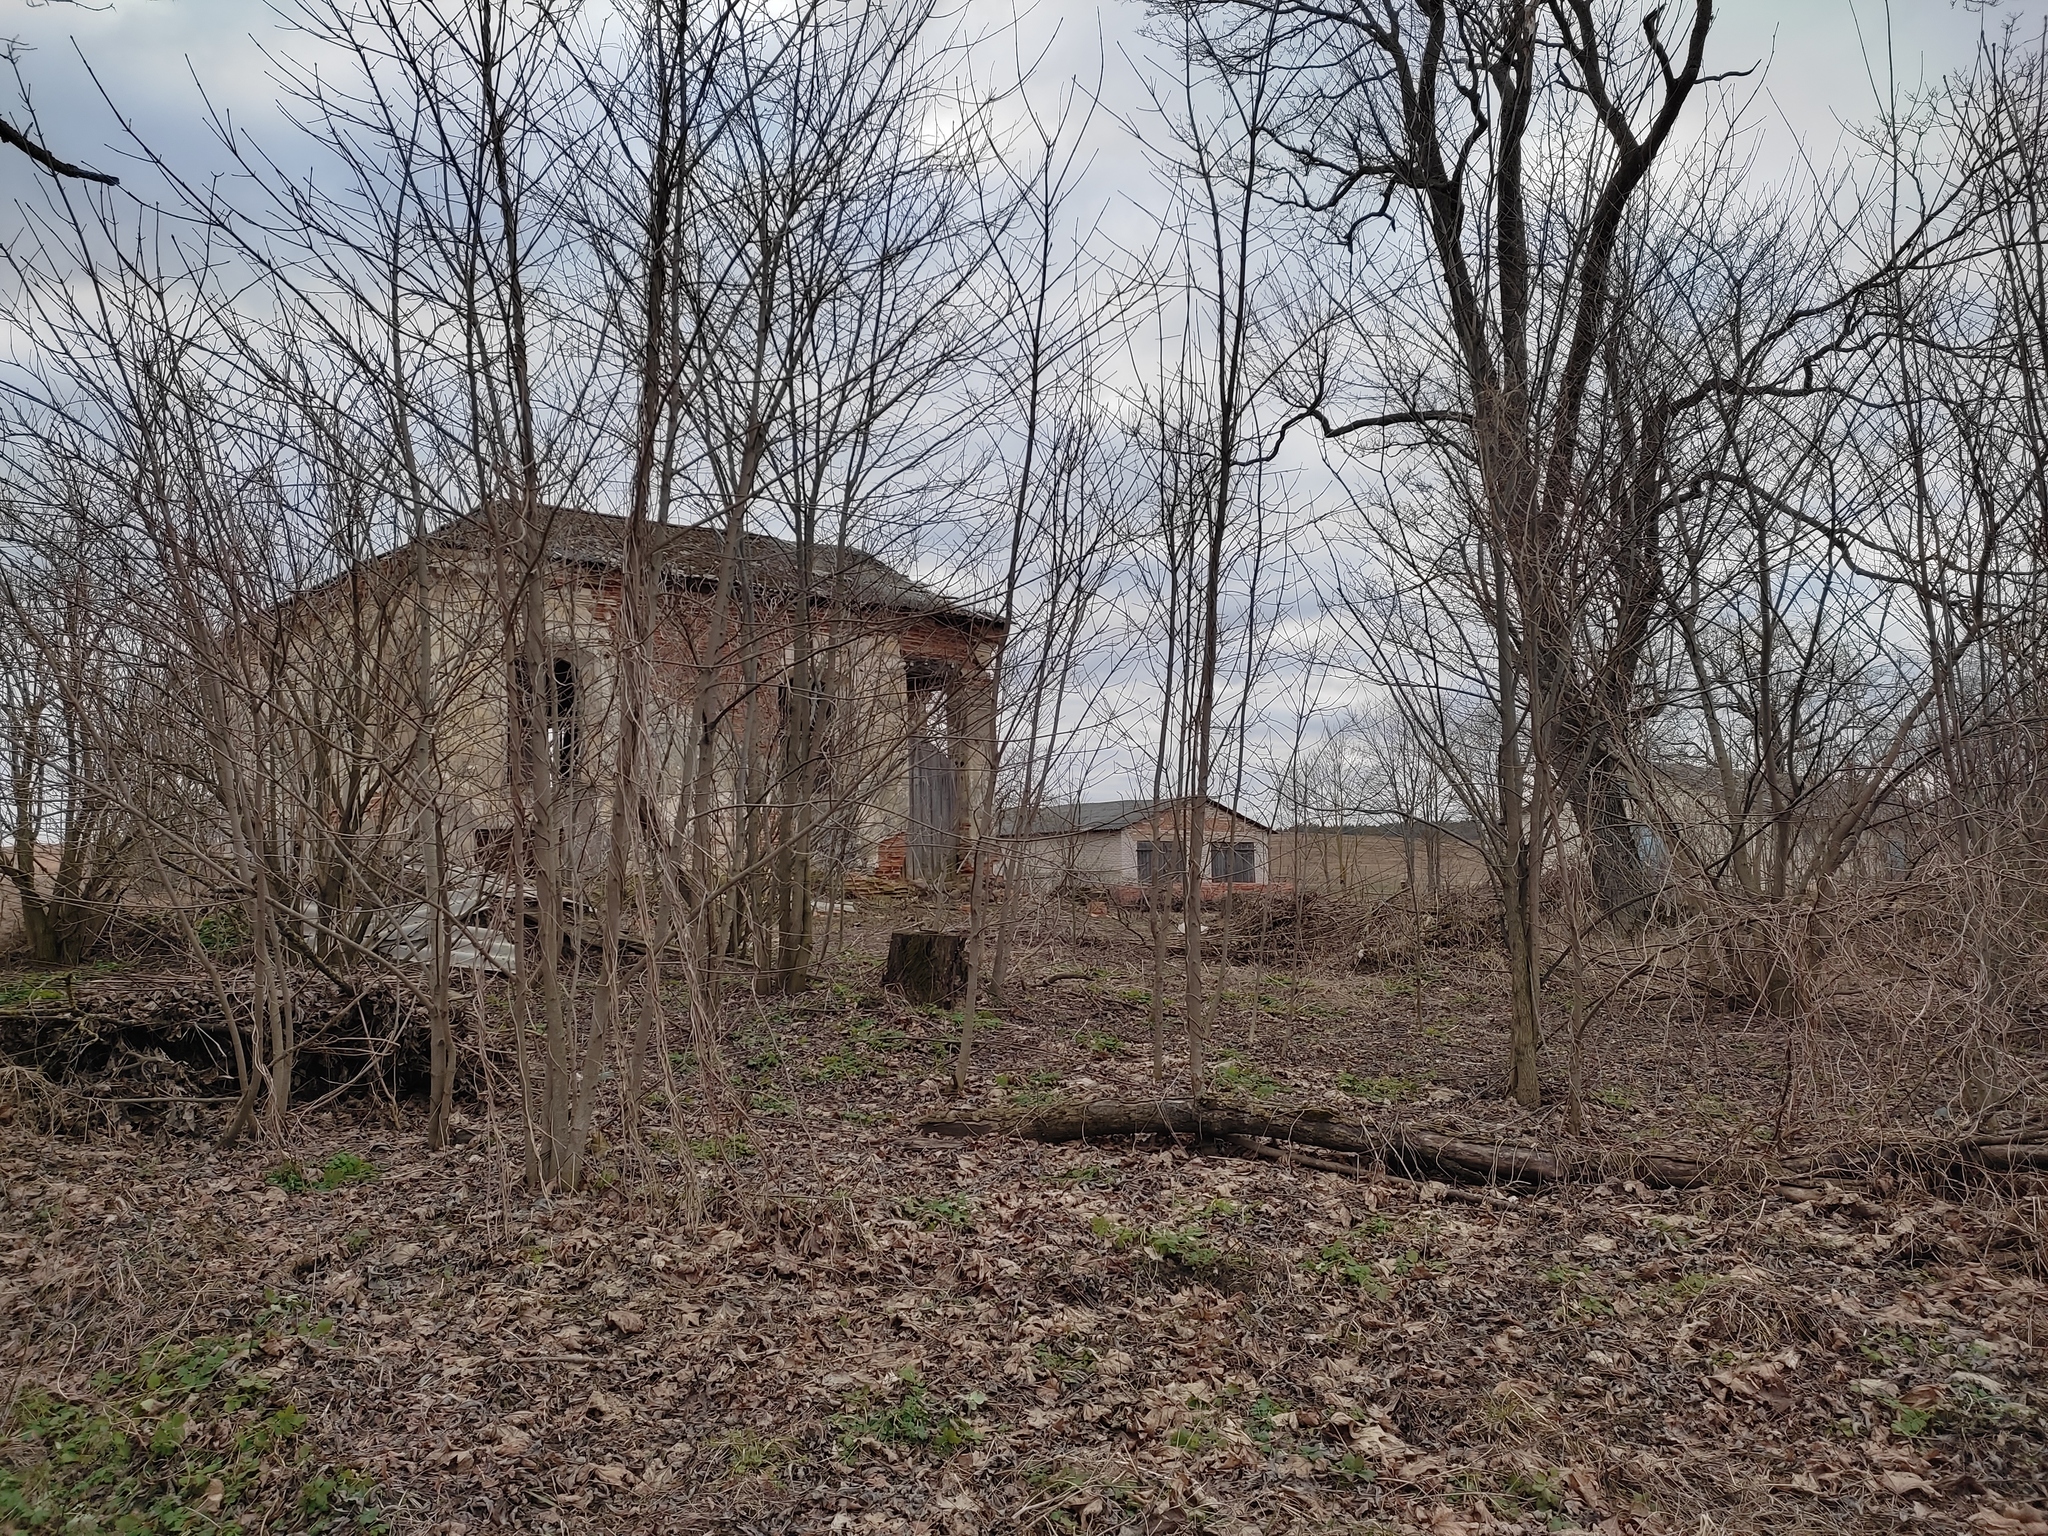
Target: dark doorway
(934,812)
(549,710)
(1237,863)
(1161,859)
(931,851)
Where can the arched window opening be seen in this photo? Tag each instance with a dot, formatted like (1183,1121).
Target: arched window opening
(562,724)
(549,712)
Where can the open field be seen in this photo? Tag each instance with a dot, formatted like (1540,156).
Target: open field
(842,1322)
(1369,861)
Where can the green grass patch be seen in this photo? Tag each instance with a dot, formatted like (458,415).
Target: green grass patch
(749,1453)
(1087,1173)
(912,1422)
(31,989)
(1690,1287)
(1380,1090)
(770,1102)
(859,1054)
(874,1035)
(1910,1422)
(342,1169)
(222,932)
(1412,1265)
(1541,1492)
(50,986)
(1234,1075)
(1962,1408)
(1338,1262)
(191,1440)
(1346,1467)
(1287,996)
(722,1149)
(1189,1247)
(1259,1417)
(1034,1092)
(1195,1438)
(845,1066)
(1579,1300)
(1067,1360)
(955,1211)
(1119,1235)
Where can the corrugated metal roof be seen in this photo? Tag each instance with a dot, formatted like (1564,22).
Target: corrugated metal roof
(1090,816)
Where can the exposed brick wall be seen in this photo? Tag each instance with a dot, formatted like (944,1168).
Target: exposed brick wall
(889,855)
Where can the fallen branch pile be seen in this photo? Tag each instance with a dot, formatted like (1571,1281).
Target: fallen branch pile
(1316,1137)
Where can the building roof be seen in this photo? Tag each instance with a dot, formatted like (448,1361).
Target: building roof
(689,555)
(1091,816)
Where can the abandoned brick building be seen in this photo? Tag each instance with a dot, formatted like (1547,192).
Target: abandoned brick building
(906,673)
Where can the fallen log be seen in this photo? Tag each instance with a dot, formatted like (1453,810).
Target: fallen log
(1295,1157)
(1414,1153)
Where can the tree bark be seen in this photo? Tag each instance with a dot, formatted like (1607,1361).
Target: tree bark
(928,967)
(1468,1160)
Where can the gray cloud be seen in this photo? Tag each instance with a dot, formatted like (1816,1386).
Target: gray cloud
(1825,60)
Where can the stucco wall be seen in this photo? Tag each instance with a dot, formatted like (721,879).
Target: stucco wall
(863,794)
(1216,827)
(1111,858)
(1090,859)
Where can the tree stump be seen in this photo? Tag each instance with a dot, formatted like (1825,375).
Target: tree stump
(927,967)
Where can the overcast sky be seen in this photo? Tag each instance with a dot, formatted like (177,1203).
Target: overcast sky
(1824,64)
(154,58)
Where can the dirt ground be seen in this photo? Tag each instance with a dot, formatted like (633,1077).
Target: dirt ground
(848,1323)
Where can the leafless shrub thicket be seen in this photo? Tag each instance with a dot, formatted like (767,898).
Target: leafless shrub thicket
(1686,533)
(1701,522)
(291,477)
